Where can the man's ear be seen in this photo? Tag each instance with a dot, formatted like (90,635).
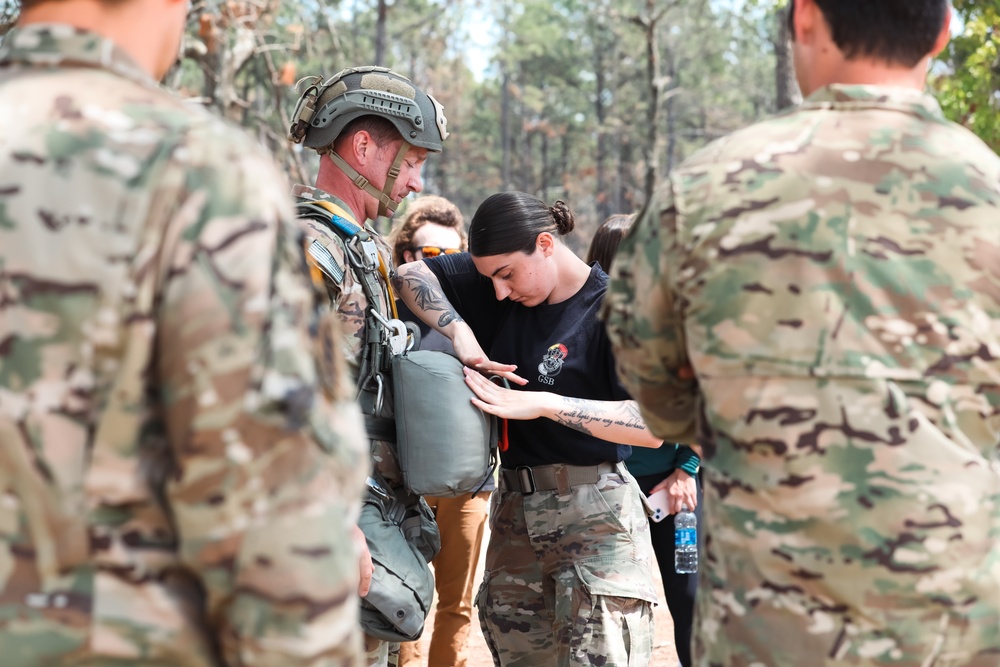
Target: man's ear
(408,257)
(807,12)
(362,145)
(944,35)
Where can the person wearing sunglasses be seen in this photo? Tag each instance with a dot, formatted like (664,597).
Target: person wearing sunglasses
(568,576)
(422,251)
(434,226)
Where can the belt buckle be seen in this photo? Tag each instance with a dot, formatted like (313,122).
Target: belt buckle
(525,479)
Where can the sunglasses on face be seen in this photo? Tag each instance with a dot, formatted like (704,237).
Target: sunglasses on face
(434,251)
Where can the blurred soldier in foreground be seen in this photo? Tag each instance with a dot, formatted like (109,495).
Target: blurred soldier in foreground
(178,475)
(831,277)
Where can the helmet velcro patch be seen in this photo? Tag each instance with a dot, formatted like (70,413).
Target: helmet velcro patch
(376,81)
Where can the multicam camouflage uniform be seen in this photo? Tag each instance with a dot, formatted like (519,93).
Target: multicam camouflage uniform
(831,275)
(349,301)
(178,479)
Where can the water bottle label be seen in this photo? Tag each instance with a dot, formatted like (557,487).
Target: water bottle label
(685,537)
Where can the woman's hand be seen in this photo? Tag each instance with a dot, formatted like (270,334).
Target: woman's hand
(471,354)
(503,402)
(681,490)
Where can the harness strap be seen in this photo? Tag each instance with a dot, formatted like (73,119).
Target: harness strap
(380,428)
(366,262)
(386,204)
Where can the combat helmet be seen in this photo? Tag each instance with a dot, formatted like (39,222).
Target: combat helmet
(325,108)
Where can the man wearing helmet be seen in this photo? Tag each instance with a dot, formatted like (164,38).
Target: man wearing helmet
(375,127)
(373,130)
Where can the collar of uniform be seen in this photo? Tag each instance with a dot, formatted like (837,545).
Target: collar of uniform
(60,44)
(310,193)
(858,96)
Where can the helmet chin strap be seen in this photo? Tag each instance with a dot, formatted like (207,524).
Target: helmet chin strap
(386,204)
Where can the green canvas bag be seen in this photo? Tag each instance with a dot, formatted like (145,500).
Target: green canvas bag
(403,538)
(446,445)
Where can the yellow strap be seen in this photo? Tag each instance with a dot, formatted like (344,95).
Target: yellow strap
(334,209)
(338,211)
(388,286)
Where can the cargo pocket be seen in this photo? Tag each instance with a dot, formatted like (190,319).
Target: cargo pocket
(619,620)
(616,577)
(482,604)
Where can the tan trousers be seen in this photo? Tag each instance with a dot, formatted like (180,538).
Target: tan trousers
(462,522)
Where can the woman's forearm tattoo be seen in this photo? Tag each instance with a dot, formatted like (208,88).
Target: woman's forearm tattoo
(583,415)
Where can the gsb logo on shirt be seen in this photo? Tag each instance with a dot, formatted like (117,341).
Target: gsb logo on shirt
(552,363)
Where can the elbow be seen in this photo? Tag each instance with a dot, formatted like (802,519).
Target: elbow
(403,269)
(649,441)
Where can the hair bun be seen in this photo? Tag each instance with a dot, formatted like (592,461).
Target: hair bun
(565,222)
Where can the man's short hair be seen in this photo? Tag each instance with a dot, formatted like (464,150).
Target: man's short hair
(382,131)
(899,32)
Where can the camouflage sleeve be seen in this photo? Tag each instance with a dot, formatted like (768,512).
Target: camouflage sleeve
(645,327)
(346,295)
(270,453)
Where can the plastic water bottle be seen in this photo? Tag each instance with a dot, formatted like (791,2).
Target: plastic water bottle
(685,541)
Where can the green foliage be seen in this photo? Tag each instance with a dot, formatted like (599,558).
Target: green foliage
(562,109)
(969,86)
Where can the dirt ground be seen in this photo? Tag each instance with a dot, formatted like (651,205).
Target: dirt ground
(664,652)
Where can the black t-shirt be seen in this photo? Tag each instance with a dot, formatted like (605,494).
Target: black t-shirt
(561,348)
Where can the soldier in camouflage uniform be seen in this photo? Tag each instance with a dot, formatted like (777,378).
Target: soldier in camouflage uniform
(374,131)
(178,475)
(830,276)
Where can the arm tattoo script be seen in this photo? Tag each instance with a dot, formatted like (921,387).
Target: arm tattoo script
(428,295)
(583,414)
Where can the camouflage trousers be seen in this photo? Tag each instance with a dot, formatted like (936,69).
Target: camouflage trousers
(379,653)
(568,578)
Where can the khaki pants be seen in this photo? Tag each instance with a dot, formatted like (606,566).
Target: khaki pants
(462,522)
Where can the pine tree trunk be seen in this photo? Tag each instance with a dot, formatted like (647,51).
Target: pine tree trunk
(787,89)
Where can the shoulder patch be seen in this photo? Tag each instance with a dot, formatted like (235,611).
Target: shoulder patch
(326,262)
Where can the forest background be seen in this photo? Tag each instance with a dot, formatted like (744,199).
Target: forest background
(589,101)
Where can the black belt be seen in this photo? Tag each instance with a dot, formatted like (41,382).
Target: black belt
(381,428)
(558,476)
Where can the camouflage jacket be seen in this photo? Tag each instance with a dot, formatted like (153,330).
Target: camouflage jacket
(830,275)
(349,301)
(178,478)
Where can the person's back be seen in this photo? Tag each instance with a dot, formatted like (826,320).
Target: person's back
(169,491)
(867,221)
(846,350)
(830,281)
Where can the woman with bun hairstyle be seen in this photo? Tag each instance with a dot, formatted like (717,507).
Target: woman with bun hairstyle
(568,576)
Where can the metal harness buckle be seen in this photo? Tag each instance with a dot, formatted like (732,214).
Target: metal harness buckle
(525,479)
